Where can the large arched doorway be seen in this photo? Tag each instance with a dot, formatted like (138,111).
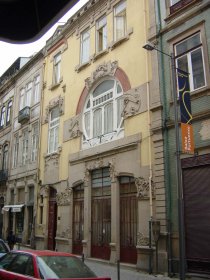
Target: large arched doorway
(52,219)
(128,220)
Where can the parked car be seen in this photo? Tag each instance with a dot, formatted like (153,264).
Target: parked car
(32,264)
(4,248)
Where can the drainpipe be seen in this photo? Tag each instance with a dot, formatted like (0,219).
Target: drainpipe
(150,141)
(165,139)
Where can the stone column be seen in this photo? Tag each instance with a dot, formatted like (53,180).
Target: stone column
(87,215)
(115,216)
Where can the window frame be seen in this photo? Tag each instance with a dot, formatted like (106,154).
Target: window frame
(85,51)
(34,141)
(54,129)
(3,116)
(9,112)
(15,151)
(36,91)
(101,33)
(188,55)
(25,147)
(120,14)
(93,105)
(57,68)
(5,157)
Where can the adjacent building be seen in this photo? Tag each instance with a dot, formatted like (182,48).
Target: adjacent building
(180,34)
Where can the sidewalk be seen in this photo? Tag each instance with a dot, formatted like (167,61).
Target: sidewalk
(126,272)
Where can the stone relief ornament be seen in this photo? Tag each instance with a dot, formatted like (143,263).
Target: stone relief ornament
(106,69)
(59,101)
(132,103)
(74,127)
(143,187)
(64,198)
(112,170)
(44,191)
(142,240)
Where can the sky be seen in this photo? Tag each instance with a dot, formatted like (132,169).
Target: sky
(10,52)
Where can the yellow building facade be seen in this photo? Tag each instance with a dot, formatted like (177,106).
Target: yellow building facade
(96,191)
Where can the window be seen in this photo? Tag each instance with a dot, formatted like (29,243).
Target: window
(15,151)
(101,34)
(5,157)
(9,111)
(25,96)
(3,116)
(41,210)
(57,69)
(36,89)
(85,46)
(102,113)
(35,139)
(25,147)
(53,130)
(189,58)
(28,94)
(120,20)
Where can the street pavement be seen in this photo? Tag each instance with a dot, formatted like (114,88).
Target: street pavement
(125,272)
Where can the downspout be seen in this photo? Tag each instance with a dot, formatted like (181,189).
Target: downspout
(165,139)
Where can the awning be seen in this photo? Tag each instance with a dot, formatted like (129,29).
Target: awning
(14,208)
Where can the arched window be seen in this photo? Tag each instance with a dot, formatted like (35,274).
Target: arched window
(102,113)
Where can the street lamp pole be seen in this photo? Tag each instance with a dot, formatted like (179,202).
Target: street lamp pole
(150,47)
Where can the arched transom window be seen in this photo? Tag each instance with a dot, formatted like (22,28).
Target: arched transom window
(103,114)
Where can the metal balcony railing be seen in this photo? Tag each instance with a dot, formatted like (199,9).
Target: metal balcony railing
(24,115)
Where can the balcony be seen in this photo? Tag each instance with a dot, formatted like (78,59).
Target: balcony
(24,115)
(180,5)
(3,175)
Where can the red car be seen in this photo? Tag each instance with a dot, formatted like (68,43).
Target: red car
(32,264)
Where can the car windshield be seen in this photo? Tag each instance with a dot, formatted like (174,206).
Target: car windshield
(63,267)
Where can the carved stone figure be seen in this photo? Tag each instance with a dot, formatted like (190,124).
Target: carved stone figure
(64,198)
(143,187)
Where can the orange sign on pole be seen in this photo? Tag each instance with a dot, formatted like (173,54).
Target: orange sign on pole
(187,138)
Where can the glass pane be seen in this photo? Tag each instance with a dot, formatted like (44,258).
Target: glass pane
(188,44)
(120,27)
(119,110)
(97,123)
(103,87)
(54,113)
(108,118)
(197,68)
(119,8)
(87,124)
(182,63)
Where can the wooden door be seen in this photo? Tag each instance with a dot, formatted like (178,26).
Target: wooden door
(52,220)
(78,219)
(128,221)
(101,228)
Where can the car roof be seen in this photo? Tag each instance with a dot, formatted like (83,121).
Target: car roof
(40,253)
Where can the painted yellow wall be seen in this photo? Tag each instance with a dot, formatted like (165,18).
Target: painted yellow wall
(131,58)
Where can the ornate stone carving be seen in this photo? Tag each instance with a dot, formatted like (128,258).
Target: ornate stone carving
(143,187)
(142,240)
(112,170)
(132,103)
(44,191)
(86,177)
(52,160)
(59,101)
(205,130)
(106,69)
(64,198)
(74,127)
